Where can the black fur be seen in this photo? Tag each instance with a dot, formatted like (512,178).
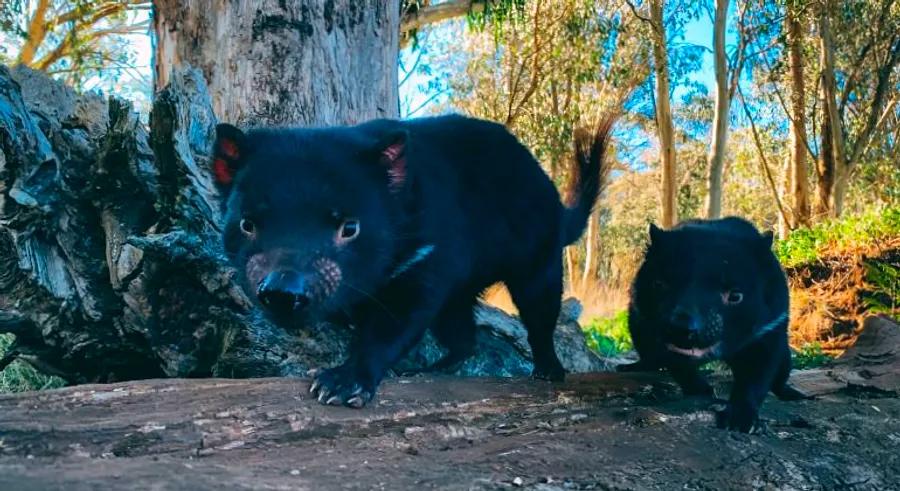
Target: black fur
(680,301)
(446,207)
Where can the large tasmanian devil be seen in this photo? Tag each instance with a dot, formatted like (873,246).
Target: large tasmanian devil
(400,225)
(713,289)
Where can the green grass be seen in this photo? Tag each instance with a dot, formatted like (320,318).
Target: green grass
(806,245)
(809,356)
(20,376)
(609,336)
(884,279)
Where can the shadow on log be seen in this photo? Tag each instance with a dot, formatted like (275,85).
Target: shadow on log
(110,260)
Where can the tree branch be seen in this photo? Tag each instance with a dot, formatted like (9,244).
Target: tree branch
(434,14)
(762,159)
(637,14)
(37,31)
(882,87)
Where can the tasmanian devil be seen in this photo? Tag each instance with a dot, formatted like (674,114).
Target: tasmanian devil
(399,226)
(713,289)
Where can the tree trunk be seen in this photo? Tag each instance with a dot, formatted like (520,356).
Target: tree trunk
(876,115)
(293,62)
(717,148)
(588,250)
(831,155)
(664,126)
(796,163)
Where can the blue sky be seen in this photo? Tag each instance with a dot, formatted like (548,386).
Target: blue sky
(698,32)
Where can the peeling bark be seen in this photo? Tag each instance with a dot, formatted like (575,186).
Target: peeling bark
(297,62)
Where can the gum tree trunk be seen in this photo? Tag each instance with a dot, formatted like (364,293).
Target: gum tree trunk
(831,158)
(720,123)
(287,62)
(665,130)
(796,162)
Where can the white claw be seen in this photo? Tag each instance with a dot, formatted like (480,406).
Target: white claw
(332,399)
(313,386)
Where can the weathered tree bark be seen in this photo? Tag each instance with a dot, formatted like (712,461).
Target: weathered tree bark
(110,266)
(831,154)
(716,159)
(665,130)
(295,62)
(796,162)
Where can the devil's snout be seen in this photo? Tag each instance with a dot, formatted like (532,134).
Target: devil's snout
(283,292)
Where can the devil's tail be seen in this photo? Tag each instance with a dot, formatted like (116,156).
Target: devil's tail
(587,179)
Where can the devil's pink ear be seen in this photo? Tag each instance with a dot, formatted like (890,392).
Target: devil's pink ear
(392,155)
(227,153)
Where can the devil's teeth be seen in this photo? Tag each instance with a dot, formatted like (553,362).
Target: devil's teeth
(691,352)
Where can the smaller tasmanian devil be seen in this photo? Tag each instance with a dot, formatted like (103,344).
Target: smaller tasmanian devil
(713,289)
(400,225)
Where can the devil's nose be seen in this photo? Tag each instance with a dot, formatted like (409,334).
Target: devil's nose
(684,320)
(284,291)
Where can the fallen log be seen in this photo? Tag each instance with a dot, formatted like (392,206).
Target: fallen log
(111,267)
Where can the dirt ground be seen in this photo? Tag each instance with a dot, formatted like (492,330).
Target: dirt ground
(595,431)
(603,431)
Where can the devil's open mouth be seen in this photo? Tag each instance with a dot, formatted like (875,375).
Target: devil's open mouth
(697,353)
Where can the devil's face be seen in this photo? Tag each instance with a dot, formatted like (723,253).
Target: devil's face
(308,215)
(706,291)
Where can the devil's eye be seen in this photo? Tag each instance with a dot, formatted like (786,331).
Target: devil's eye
(732,297)
(349,229)
(247,226)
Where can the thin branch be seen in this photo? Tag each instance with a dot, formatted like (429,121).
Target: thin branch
(73,37)
(434,14)
(882,88)
(412,70)
(784,106)
(763,161)
(425,103)
(637,14)
(113,7)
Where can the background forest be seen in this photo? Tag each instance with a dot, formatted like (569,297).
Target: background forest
(784,112)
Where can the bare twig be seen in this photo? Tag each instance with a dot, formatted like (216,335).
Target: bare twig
(763,161)
(637,14)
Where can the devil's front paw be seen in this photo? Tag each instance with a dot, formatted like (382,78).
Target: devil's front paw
(738,416)
(342,385)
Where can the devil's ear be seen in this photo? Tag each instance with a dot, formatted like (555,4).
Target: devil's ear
(227,153)
(766,238)
(656,234)
(392,156)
